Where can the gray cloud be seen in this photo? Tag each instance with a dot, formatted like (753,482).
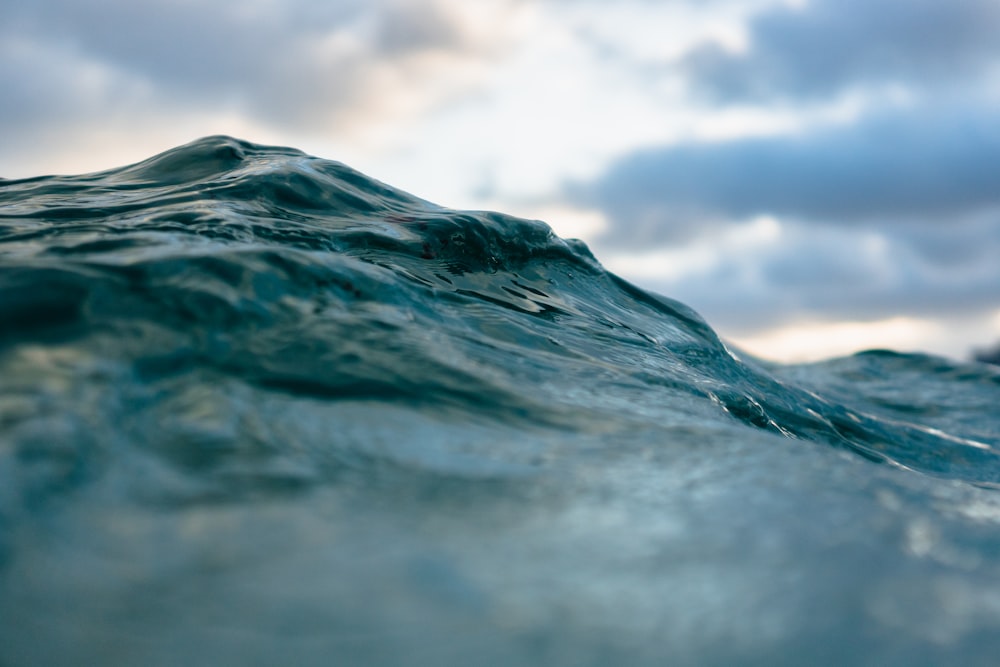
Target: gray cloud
(413,27)
(821,272)
(830,45)
(297,62)
(926,166)
(897,214)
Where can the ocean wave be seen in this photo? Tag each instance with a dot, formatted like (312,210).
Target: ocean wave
(240,326)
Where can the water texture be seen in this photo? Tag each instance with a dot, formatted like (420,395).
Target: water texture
(258,408)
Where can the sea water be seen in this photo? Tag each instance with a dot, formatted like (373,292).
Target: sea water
(257,408)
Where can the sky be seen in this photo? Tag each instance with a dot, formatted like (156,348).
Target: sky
(815,177)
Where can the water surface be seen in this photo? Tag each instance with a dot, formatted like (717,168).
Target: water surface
(258,408)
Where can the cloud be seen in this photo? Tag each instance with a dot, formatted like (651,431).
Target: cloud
(890,212)
(414,27)
(923,166)
(297,64)
(897,214)
(811,272)
(819,48)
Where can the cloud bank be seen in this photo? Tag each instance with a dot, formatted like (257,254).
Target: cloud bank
(919,167)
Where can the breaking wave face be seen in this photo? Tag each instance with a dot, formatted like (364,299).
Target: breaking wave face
(256,407)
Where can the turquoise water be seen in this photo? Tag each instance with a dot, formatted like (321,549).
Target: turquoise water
(258,408)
